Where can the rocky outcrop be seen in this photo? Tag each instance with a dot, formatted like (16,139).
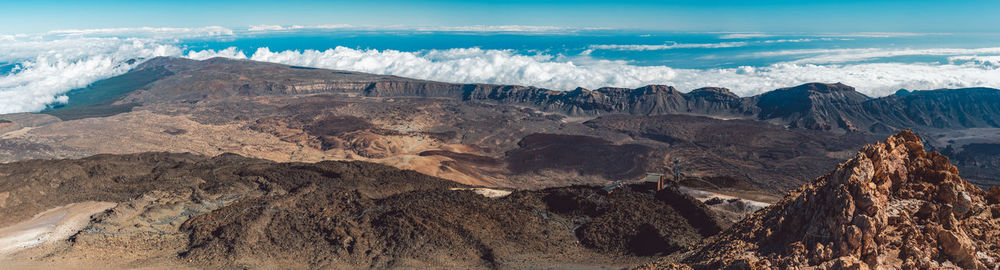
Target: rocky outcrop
(812,106)
(943,109)
(993,195)
(891,206)
(230,211)
(718,101)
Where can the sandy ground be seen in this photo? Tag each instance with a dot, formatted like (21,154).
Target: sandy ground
(959,138)
(41,243)
(487,192)
(53,225)
(731,208)
(703,196)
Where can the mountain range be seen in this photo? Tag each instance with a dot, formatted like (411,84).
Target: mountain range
(816,106)
(227,163)
(835,108)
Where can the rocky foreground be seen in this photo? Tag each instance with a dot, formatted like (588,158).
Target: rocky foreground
(893,205)
(179,211)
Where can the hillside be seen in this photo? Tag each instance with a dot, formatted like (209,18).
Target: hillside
(160,209)
(892,206)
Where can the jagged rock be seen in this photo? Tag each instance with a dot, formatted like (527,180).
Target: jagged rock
(993,195)
(845,263)
(893,205)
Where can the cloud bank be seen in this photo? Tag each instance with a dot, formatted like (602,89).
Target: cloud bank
(469,65)
(45,70)
(639,47)
(560,72)
(849,35)
(468,28)
(37,71)
(744,35)
(675,45)
(827,56)
(149,32)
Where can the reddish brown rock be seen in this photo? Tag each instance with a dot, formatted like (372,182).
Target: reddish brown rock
(993,195)
(893,205)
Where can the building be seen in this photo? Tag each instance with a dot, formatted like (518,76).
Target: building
(610,188)
(655,179)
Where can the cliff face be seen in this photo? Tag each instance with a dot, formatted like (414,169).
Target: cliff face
(813,106)
(816,106)
(837,106)
(893,205)
(943,109)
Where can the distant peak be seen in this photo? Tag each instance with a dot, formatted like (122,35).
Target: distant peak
(714,90)
(824,87)
(160,61)
(653,88)
(220,59)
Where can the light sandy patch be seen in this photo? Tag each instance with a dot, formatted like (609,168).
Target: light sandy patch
(431,165)
(143,131)
(3,198)
(962,137)
(487,192)
(16,133)
(53,225)
(703,196)
(578,119)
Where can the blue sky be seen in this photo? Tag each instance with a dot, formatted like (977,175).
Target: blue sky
(704,15)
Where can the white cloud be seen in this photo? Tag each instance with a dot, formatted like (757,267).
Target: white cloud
(324,26)
(827,56)
(561,72)
(876,34)
(274,28)
(230,52)
(51,68)
(799,40)
(675,45)
(151,32)
(474,65)
(494,28)
(744,35)
(640,47)
(468,28)
(988,60)
(267,28)
(874,79)
(48,68)
(848,35)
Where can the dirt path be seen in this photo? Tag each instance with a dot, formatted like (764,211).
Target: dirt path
(53,225)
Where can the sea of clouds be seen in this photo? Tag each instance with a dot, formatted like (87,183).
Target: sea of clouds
(37,70)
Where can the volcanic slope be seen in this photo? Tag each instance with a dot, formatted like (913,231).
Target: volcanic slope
(286,113)
(189,211)
(492,134)
(893,205)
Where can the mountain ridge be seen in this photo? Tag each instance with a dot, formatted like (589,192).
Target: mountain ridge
(818,106)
